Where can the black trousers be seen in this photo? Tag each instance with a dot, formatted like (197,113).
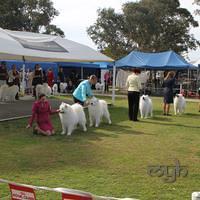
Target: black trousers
(133,105)
(78,101)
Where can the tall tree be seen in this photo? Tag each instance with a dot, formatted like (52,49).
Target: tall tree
(147,25)
(28,15)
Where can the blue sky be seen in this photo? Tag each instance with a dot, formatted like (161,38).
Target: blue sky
(77,15)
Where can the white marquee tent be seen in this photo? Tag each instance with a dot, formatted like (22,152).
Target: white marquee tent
(41,47)
(27,46)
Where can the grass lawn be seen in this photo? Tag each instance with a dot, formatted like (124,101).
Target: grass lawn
(111,160)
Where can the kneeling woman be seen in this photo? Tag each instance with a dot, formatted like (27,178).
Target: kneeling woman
(41,111)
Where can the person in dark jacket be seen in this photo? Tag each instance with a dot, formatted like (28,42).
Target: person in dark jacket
(168,84)
(37,78)
(61,78)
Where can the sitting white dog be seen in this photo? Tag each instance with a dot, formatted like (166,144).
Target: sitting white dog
(145,106)
(71,116)
(179,104)
(8,93)
(97,110)
(55,89)
(63,87)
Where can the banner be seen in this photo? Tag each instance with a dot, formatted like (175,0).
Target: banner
(21,192)
(75,197)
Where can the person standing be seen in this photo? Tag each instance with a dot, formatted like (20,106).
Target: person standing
(106,81)
(37,78)
(3,73)
(50,77)
(168,84)
(134,86)
(61,77)
(84,90)
(14,78)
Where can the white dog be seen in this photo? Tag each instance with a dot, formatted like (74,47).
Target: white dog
(71,116)
(145,106)
(179,104)
(8,93)
(43,89)
(99,86)
(63,87)
(97,110)
(55,89)
(47,89)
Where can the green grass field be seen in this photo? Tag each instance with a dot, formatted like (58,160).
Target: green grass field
(111,160)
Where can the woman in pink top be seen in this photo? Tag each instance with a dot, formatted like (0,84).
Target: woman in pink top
(41,111)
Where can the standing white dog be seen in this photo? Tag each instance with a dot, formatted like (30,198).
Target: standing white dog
(97,110)
(43,89)
(145,106)
(8,93)
(63,87)
(55,89)
(71,116)
(179,104)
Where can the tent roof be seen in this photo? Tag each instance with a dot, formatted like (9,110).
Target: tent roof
(162,60)
(42,47)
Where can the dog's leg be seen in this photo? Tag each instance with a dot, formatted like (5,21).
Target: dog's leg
(84,126)
(107,116)
(91,120)
(63,130)
(97,122)
(70,129)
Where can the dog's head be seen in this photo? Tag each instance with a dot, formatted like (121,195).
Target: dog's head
(63,107)
(93,101)
(145,97)
(179,95)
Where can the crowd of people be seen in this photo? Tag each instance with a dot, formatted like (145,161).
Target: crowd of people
(33,78)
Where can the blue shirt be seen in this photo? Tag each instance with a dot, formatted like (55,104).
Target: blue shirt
(83,90)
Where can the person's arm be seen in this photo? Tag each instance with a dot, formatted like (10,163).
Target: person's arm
(83,94)
(127,82)
(34,115)
(89,91)
(52,111)
(139,84)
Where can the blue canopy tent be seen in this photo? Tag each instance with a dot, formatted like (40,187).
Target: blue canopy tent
(167,60)
(157,61)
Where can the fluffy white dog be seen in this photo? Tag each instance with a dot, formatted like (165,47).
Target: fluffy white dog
(145,106)
(71,116)
(97,110)
(63,87)
(179,104)
(55,89)
(47,89)
(8,93)
(99,86)
(43,89)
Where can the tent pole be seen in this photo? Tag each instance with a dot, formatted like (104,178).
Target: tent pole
(188,81)
(81,72)
(23,76)
(113,84)
(145,82)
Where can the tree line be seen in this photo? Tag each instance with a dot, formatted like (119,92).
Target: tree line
(145,25)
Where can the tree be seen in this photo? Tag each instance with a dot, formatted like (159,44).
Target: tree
(198,3)
(147,25)
(28,15)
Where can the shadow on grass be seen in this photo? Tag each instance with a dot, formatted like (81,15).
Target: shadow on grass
(167,124)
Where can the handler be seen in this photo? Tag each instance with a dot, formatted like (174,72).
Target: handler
(84,90)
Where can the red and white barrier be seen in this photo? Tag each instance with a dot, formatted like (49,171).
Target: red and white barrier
(27,192)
